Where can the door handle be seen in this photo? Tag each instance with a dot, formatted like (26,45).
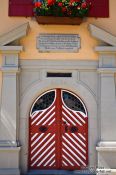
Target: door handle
(73,129)
(43,129)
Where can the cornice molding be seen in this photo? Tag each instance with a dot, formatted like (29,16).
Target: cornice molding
(105,49)
(14,34)
(11,49)
(106,146)
(106,70)
(102,35)
(58,64)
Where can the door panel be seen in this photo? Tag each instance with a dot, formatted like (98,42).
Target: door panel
(42,152)
(58,132)
(74,123)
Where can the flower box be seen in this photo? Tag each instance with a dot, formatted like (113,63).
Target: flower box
(59,20)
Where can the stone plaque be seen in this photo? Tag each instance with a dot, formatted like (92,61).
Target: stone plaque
(58,42)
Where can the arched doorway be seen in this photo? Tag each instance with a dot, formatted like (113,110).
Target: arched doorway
(58,131)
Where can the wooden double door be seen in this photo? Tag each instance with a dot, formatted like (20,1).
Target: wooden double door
(58,131)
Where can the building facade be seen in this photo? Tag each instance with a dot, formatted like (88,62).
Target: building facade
(57,109)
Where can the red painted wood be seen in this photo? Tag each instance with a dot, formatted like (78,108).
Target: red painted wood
(58,148)
(99,8)
(58,128)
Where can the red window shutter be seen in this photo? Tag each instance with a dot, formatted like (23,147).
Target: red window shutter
(21,8)
(99,8)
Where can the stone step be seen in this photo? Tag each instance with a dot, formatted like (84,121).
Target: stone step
(60,172)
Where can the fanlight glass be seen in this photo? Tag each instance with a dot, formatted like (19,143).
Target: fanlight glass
(73,102)
(43,102)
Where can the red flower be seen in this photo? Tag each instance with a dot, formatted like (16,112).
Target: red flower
(38,4)
(64,9)
(84,5)
(71,1)
(60,4)
(51,2)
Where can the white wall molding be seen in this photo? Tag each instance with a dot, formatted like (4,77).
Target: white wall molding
(10,58)
(106,70)
(11,49)
(59,64)
(105,49)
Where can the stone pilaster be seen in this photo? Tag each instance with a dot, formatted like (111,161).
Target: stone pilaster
(9,148)
(106,148)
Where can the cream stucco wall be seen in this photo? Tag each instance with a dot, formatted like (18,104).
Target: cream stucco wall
(29,42)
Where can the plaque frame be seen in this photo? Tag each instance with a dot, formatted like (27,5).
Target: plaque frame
(58,43)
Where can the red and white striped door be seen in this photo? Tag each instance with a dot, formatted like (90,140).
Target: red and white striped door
(58,132)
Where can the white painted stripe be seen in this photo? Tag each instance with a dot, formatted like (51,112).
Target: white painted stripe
(70,150)
(46,156)
(46,115)
(48,119)
(68,118)
(83,114)
(43,153)
(39,115)
(79,116)
(64,163)
(71,157)
(51,121)
(35,162)
(52,163)
(37,139)
(42,147)
(76,143)
(67,160)
(49,160)
(40,143)
(64,120)
(34,114)
(82,136)
(78,139)
(72,116)
(76,156)
(34,136)
(74,148)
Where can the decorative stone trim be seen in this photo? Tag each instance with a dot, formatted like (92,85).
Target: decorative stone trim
(8,144)
(10,60)
(56,64)
(106,70)
(9,148)
(105,49)
(10,49)
(111,149)
(14,34)
(102,35)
